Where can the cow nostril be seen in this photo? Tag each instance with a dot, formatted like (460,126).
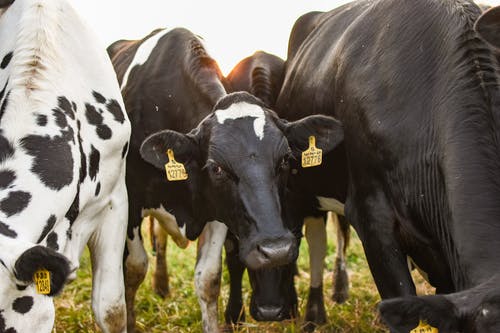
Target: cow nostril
(264,251)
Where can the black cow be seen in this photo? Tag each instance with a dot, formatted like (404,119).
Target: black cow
(416,91)
(235,159)
(262,74)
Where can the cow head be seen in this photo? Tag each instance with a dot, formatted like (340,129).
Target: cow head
(471,311)
(22,309)
(243,150)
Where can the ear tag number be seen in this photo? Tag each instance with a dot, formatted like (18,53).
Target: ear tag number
(175,170)
(42,281)
(423,327)
(312,156)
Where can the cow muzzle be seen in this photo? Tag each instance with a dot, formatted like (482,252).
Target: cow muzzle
(272,252)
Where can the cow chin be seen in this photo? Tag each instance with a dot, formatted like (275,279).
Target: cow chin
(269,252)
(273,293)
(269,313)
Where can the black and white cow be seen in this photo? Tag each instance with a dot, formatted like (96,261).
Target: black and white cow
(262,75)
(417,93)
(63,139)
(235,158)
(167,80)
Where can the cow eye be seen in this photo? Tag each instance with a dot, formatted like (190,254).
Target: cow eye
(217,170)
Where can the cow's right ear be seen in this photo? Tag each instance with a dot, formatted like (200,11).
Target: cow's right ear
(154,148)
(488,26)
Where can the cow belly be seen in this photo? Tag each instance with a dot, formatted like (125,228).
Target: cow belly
(330,204)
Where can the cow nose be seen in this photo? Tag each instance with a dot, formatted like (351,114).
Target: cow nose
(269,313)
(269,253)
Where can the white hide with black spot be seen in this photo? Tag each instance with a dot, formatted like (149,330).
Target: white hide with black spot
(63,130)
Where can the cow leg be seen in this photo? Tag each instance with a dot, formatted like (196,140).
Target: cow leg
(106,247)
(235,312)
(374,221)
(136,266)
(160,273)
(208,273)
(340,277)
(316,240)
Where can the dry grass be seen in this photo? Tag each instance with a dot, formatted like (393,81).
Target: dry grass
(180,312)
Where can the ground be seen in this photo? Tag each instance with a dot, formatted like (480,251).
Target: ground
(180,313)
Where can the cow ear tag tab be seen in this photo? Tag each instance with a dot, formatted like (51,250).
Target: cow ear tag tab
(175,170)
(312,156)
(423,327)
(42,281)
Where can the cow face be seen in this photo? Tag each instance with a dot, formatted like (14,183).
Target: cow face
(20,299)
(475,310)
(244,150)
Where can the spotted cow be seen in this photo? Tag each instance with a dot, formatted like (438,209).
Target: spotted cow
(417,92)
(63,142)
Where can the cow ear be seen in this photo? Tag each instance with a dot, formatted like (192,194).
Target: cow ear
(154,148)
(403,314)
(488,26)
(43,258)
(327,131)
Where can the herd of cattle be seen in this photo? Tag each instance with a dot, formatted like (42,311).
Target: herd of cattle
(385,112)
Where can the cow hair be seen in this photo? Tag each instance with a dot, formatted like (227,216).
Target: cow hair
(202,69)
(262,85)
(35,52)
(41,257)
(238,97)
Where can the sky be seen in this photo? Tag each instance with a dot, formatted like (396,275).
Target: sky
(232,29)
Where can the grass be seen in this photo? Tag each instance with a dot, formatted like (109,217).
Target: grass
(179,312)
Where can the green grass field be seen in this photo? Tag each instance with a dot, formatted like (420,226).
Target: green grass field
(179,312)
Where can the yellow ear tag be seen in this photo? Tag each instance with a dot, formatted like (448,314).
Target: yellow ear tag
(423,327)
(175,170)
(312,156)
(42,281)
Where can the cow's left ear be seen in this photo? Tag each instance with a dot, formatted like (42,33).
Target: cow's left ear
(43,258)
(404,314)
(154,148)
(488,26)
(327,131)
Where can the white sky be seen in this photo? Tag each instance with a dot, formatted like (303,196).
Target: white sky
(232,29)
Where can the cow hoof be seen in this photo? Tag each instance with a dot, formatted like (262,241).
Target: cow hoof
(233,317)
(340,283)
(315,310)
(160,289)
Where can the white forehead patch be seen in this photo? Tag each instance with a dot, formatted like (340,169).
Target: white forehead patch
(242,110)
(142,54)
